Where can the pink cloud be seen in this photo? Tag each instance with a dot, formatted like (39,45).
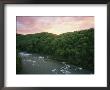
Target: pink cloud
(36,24)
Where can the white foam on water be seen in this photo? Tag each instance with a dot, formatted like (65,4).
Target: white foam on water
(29,60)
(80,68)
(24,54)
(40,57)
(54,71)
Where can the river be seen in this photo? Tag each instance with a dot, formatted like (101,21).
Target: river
(41,64)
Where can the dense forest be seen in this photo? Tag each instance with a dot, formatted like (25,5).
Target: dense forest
(76,48)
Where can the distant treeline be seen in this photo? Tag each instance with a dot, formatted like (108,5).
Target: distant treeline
(72,47)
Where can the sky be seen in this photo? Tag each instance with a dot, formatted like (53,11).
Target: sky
(53,24)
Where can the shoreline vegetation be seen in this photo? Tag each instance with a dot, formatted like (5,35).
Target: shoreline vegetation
(75,48)
(18,63)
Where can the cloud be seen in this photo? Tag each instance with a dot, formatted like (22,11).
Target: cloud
(55,24)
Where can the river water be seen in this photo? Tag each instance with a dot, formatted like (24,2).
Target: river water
(41,64)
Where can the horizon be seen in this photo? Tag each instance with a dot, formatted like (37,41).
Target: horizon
(53,33)
(53,24)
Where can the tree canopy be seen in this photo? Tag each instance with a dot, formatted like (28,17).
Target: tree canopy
(72,47)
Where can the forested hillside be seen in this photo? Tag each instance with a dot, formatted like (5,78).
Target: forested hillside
(76,48)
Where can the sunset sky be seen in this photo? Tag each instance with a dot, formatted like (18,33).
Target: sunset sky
(53,24)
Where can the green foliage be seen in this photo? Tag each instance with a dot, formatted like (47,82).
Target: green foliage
(73,47)
(18,63)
